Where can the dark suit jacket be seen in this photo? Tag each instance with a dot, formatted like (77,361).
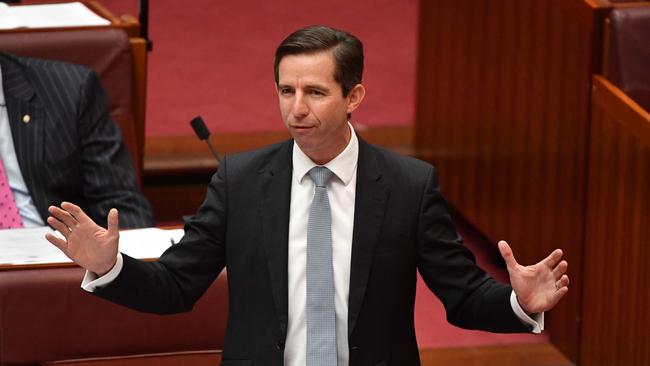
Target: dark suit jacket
(401,225)
(70,150)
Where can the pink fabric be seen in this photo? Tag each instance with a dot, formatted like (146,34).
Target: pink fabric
(9,216)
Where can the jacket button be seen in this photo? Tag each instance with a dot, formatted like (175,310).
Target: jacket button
(354,348)
(279,345)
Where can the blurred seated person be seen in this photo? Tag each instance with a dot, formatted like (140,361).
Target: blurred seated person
(58,143)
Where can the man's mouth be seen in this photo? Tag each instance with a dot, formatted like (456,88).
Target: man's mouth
(301,127)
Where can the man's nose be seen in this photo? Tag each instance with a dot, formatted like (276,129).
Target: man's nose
(300,107)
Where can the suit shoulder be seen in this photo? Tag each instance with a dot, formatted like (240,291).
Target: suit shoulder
(401,164)
(49,64)
(402,173)
(55,72)
(254,160)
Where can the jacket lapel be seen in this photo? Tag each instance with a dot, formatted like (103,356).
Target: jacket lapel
(26,120)
(370,206)
(274,211)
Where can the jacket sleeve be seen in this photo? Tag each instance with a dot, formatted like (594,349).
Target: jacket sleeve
(185,271)
(472,299)
(108,175)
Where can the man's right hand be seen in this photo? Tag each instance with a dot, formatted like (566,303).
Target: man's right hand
(86,243)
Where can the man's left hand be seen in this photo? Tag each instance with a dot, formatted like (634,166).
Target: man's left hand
(540,286)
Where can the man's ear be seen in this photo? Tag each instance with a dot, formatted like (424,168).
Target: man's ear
(355,96)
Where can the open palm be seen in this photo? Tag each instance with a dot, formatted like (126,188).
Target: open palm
(538,287)
(86,243)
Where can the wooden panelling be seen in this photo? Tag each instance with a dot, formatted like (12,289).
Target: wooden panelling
(536,354)
(502,111)
(173,200)
(139,53)
(617,285)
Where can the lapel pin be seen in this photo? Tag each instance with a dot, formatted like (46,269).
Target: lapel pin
(27,118)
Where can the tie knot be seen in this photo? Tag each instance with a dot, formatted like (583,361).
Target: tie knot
(320,175)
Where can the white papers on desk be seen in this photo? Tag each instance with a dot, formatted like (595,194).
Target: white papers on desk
(29,246)
(73,14)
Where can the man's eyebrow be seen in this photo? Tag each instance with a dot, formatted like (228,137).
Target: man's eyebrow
(317,87)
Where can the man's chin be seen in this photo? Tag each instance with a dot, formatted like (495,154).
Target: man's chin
(304,143)
(304,136)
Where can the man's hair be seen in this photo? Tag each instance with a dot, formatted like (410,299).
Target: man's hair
(346,49)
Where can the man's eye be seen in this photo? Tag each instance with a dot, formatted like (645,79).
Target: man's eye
(317,93)
(285,91)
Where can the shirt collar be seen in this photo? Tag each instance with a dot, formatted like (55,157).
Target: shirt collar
(343,165)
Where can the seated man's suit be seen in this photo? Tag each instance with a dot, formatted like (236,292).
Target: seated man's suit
(67,147)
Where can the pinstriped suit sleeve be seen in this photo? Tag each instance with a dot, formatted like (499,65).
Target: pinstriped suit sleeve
(106,165)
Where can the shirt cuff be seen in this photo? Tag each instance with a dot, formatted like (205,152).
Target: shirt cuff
(92,282)
(536,321)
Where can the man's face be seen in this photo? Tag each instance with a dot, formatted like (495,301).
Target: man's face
(312,104)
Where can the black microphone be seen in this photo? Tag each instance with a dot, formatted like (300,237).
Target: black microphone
(203,133)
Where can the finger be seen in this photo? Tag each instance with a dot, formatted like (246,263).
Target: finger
(113,222)
(77,212)
(58,242)
(563,281)
(553,258)
(59,226)
(557,296)
(62,215)
(554,298)
(560,269)
(506,253)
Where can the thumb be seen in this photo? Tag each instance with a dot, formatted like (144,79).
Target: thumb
(113,222)
(506,253)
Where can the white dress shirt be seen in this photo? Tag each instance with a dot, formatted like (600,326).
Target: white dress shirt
(24,204)
(341,192)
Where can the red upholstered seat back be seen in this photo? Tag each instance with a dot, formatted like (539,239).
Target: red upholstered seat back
(628,56)
(45,316)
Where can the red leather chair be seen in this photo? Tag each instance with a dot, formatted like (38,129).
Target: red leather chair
(628,53)
(45,317)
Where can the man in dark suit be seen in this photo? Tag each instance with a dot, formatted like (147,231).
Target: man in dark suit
(59,144)
(384,220)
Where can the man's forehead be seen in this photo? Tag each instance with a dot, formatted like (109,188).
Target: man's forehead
(318,65)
